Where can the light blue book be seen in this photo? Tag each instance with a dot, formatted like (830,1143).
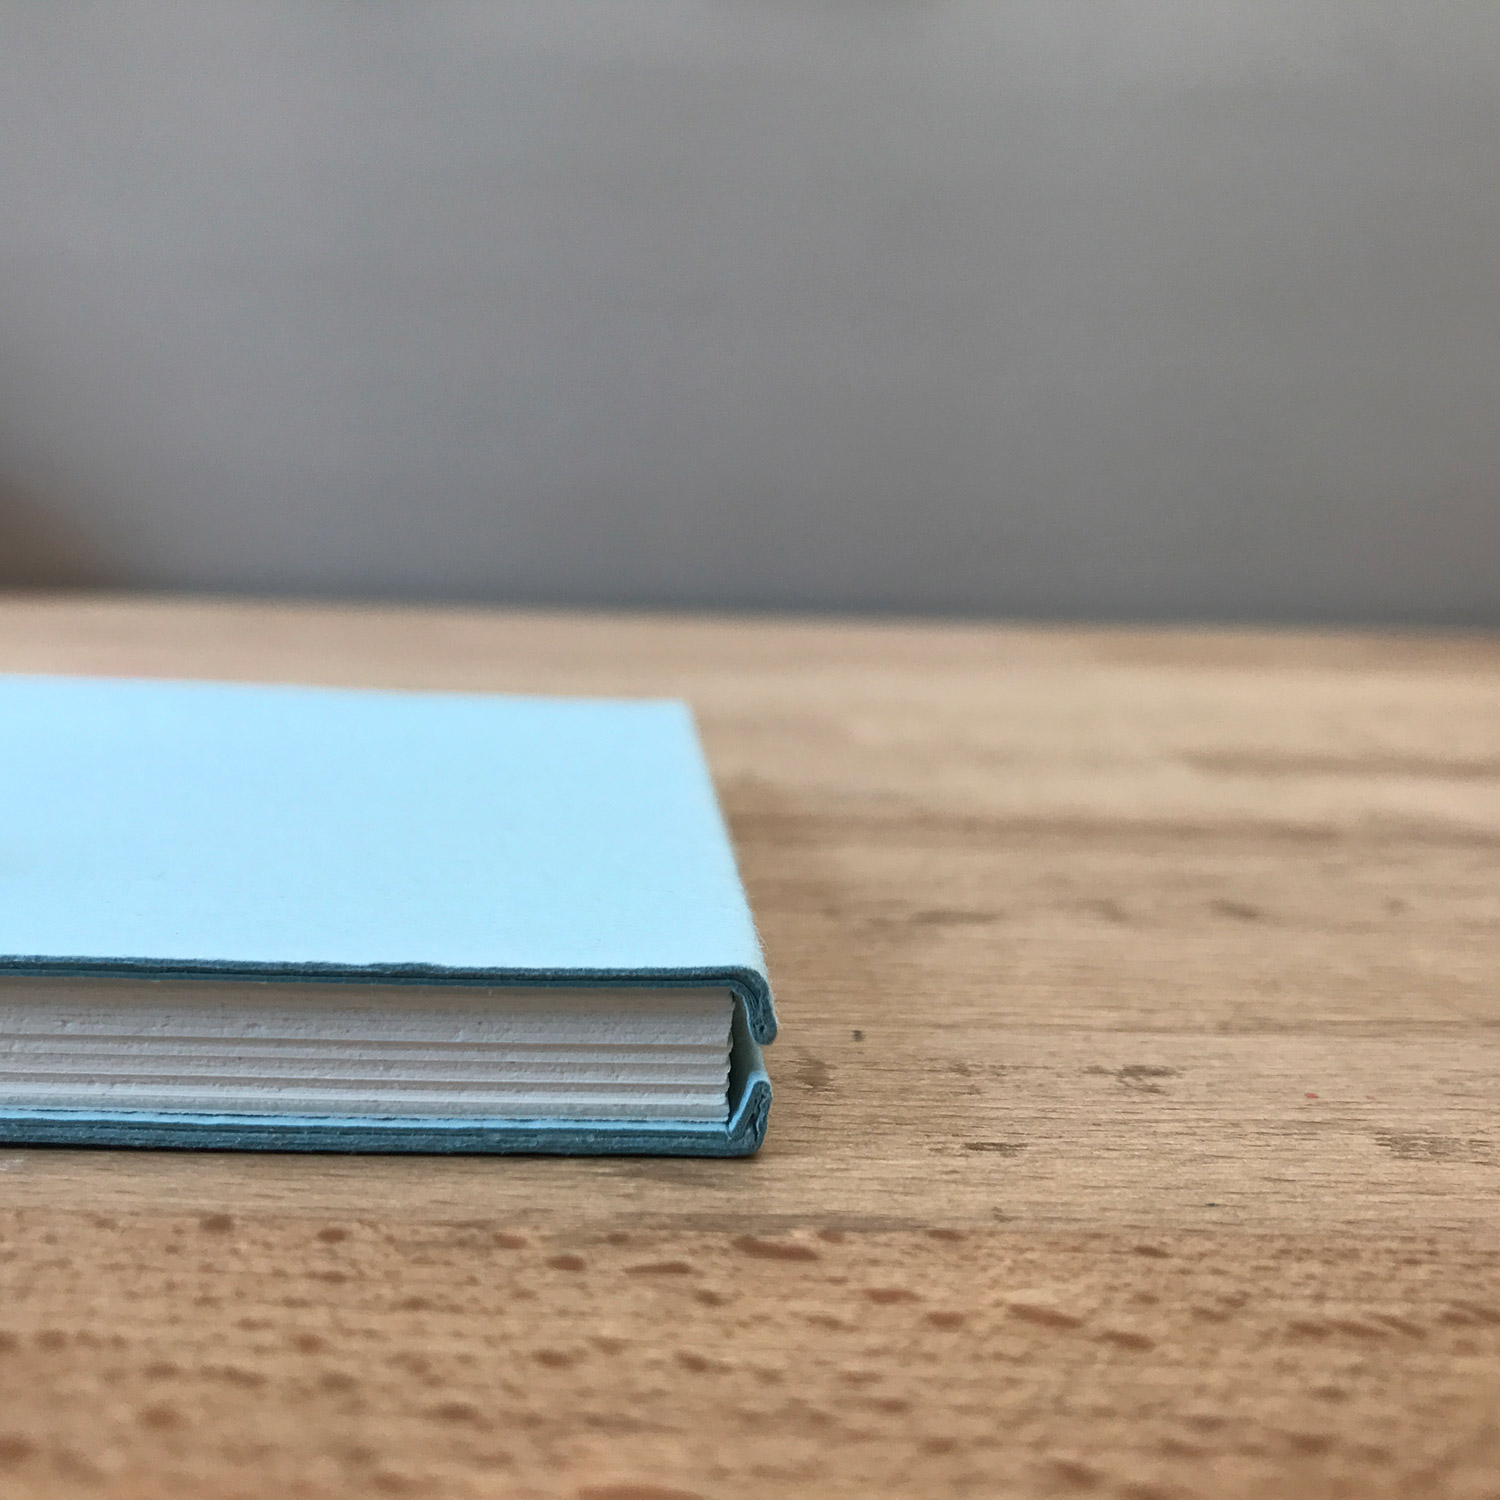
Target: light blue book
(310,919)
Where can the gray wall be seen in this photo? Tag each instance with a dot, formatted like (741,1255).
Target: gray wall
(1169,308)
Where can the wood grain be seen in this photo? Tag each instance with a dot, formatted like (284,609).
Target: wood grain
(1134,1133)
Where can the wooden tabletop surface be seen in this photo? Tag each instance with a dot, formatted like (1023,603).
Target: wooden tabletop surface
(1135,1128)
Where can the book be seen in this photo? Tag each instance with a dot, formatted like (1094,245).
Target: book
(319,919)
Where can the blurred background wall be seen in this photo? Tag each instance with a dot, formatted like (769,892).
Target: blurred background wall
(1161,309)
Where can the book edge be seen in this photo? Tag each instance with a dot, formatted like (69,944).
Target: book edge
(750,984)
(740,1135)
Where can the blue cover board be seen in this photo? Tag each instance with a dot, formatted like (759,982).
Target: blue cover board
(176,829)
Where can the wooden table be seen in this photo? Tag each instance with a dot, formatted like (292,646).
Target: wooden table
(1135,1128)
